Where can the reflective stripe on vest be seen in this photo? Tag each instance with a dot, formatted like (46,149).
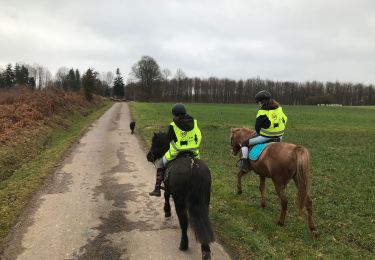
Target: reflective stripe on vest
(277,125)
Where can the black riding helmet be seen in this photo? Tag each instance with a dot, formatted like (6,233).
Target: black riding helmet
(263,95)
(178,109)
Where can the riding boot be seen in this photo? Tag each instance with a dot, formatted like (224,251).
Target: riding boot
(245,165)
(159,179)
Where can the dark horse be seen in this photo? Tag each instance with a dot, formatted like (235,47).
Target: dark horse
(189,182)
(281,162)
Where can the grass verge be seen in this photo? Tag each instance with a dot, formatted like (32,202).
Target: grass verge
(16,190)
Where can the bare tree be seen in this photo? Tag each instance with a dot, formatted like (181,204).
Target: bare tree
(61,77)
(147,71)
(109,76)
(48,78)
(40,72)
(166,74)
(180,75)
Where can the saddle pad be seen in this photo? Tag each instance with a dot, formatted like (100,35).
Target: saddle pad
(256,151)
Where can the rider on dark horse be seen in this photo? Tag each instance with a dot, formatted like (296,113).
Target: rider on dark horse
(269,125)
(183,136)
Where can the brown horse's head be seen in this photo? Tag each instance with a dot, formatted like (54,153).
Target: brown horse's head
(239,135)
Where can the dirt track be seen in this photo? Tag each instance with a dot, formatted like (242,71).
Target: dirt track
(97,206)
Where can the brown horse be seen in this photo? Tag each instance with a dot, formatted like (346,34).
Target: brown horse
(281,162)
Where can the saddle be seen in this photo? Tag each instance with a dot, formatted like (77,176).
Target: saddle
(167,170)
(256,150)
(189,154)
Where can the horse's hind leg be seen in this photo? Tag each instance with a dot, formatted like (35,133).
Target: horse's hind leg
(167,206)
(183,220)
(262,189)
(239,184)
(280,189)
(206,252)
(309,209)
(308,204)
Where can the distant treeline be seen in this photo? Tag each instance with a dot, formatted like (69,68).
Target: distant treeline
(152,84)
(147,82)
(37,77)
(214,90)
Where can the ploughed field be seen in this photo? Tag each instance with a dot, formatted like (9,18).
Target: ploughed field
(341,141)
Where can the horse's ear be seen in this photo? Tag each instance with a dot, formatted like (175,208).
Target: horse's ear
(154,133)
(235,129)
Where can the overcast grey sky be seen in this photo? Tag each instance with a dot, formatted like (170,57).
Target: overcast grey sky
(275,39)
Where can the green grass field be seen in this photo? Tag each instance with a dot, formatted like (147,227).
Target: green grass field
(341,141)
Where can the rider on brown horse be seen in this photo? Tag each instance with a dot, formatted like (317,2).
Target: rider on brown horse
(183,136)
(269,125)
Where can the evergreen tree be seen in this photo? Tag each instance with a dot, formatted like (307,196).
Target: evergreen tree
(21,75)
(17,75)
(2,82)
(9,77)
(88,83)
(78,80)
(24,75)
(71,80)
(118,85)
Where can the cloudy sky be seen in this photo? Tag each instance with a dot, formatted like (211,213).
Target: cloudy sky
(276,39)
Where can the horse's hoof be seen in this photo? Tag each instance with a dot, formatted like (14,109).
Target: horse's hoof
(183,247)
(239,192)
(263,205)
(314,233)
(279,223)
(167,214)
(206,255)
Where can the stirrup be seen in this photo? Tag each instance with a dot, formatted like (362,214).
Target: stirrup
(155,192)
(245,167)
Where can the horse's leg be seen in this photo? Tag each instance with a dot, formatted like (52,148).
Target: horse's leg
(309,209)
(239,185)
(308,205)
(206,252)
(183,220)
(167,206)
(280,189)
(262,188)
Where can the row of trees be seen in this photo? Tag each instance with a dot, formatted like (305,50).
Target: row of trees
(18,76)
(93,85)
(92,82)
(151,83)
(147,82)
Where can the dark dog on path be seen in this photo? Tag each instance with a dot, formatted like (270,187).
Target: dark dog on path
(132,126)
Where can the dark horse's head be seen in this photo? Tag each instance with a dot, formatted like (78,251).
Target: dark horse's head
(159,147)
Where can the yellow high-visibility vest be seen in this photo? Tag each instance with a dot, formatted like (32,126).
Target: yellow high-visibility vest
(186,141)
(276,117)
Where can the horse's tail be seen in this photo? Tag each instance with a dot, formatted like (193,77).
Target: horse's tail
(302,173)
(198,202)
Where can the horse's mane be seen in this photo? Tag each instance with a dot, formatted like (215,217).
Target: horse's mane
(160,135)
(239,135)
